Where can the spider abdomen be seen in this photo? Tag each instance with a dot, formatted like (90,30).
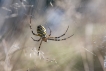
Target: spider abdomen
(41,31)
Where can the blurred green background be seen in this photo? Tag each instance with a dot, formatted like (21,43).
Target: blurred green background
(85,51)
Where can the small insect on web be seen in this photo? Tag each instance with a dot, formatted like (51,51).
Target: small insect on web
(41,32)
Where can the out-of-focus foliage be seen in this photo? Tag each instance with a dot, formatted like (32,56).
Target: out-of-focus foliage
(85,51)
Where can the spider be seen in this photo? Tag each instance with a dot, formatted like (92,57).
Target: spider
(41,32)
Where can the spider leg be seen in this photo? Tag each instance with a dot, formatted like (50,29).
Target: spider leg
(56,39)
(31,28)
(50,31)
(62,34)
(36,40)
(39,47)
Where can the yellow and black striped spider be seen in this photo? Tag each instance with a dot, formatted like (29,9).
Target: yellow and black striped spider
(41,32)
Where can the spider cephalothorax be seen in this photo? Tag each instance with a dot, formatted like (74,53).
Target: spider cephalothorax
(41,32)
